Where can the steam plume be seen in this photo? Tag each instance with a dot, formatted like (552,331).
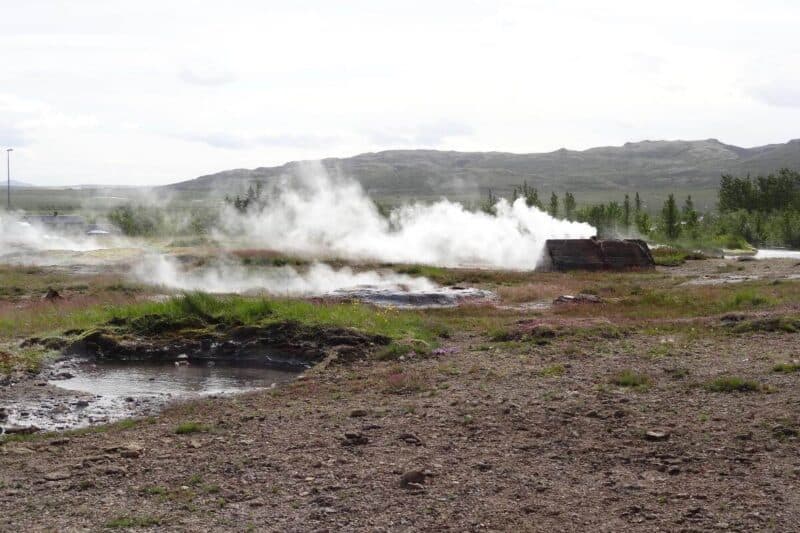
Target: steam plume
(317,215)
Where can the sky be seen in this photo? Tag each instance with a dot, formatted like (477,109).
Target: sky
(154,92)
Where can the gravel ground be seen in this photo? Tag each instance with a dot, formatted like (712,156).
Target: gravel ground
(533,434)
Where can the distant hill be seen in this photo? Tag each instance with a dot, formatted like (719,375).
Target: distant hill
(15,183)
(646,165)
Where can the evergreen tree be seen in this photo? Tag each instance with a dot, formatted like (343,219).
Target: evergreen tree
(671,219)
(690,217)
(643,223)
(626,212)
(637,203)
(531,196)
(569,205)
(553,205)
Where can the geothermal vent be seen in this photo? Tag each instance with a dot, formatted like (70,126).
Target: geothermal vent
(596,254)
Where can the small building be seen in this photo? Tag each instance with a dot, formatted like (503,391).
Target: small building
(596,254)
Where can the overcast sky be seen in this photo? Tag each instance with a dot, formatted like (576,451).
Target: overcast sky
(157,91)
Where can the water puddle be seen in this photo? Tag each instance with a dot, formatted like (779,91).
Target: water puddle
(417,299)
(770,253)
(91,393)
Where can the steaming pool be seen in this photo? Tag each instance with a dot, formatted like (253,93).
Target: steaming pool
(85,393)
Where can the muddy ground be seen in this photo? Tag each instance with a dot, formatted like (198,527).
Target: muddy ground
(577,417)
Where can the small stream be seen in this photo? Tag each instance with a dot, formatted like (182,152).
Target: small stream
(90,393)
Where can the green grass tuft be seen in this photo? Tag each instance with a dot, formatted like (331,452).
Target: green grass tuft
(631,379)
(732,384)
(787,368)
(190,427)
(127,522)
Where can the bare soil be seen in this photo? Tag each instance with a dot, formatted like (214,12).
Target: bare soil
(536,431)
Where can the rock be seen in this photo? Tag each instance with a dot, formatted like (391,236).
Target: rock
(358,413)
(57,475)
(354,439)
(59,442)
(3,413)
(483,467)
(194,443)
(52,295)
(21,430)
(82,403)
(578,299)
(19,450)
(410,438)
(656,435)
(112,470)
(413,479)
(131,451)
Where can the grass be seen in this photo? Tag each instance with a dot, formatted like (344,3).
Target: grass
(786,368)
(631,379)
(769,325)
(193,308)
(732,384)
(671,256)
(553,371)
(187,428)
(127,522)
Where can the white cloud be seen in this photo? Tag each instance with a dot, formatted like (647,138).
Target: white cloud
(210,77)
(261,82)
(779,94)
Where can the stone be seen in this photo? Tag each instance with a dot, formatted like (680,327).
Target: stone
(21,430)
(410,438)
(656,435)
(57,475)
(52,295)
(358,413)
(578,299)
(354,439)
(131,451)
(413,479)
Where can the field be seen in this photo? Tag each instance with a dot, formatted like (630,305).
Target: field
(666,403)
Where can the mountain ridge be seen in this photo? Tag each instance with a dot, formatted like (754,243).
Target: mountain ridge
(642,165)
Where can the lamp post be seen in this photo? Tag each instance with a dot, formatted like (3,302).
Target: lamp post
(8,176)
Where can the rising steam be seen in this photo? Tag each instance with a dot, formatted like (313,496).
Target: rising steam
(229,277)
(316,215)
(16,235)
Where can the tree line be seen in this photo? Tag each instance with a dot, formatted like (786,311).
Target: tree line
(762,210)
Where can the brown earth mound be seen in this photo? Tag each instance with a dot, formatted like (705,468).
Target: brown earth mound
(285,344)
(596,254)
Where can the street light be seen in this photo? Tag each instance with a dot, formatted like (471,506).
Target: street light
(8,175)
